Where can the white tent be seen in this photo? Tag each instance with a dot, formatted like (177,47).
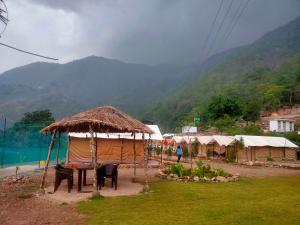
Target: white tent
(206,140)
(260,141)
(224,140)
(156,136)
(178,139)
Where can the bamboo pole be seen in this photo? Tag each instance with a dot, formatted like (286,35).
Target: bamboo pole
(94,157)
(146,186)
(134,159)
(42,190)
(58,148)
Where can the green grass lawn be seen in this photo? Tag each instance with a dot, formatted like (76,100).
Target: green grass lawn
(249,201)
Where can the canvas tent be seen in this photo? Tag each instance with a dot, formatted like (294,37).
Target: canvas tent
(111,147)
(263,147)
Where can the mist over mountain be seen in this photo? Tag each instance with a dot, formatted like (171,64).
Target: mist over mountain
(84,83)
(248,72)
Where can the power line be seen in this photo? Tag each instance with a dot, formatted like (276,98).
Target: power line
(236,21)
(232,21)
(212,27)
(27,52)
(220,27)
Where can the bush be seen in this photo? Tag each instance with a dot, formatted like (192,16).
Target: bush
(177,169)
(158,150)
(185,152)
(270,159)
(169,151)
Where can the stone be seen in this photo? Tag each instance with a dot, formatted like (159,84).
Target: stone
(196,178)
(175,176)
(250,163)
(169,177)
(221,179)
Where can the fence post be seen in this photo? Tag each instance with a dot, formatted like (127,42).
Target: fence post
(3,143)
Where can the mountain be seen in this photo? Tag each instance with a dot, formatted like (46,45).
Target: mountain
(69,88)
(268,66)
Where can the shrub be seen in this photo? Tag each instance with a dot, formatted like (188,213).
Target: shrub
(177,169)
(185,152)
(24,196)
(195,146)
(158,150)
(169,151)
(270,159)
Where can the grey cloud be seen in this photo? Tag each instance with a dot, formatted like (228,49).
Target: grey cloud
(140,31)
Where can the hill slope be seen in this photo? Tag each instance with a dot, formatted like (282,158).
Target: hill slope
(250,72)
(89,82)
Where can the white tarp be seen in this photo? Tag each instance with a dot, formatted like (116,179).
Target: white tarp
(224,140)
(205,140)
(259,141)
(156,136)
(178,139)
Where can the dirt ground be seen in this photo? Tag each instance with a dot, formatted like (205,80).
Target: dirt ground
(19,204)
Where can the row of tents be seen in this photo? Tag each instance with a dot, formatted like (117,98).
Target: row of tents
(239,147)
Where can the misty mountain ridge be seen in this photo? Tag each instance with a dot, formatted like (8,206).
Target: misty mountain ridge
(136,88)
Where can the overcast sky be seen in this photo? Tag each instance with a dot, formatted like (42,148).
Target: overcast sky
(139,31)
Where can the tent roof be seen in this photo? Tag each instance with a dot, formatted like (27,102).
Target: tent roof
(224,140)
(205,140)
(178,139)
(101,119)
(156,136)
(259,141)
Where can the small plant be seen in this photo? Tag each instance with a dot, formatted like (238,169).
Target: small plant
(24,196)
(169,152)
(270,159)
(158,150)
(185,152)
(96,198)
(177,169)
(195,147)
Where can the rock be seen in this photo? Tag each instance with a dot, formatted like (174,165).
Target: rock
(164,176)
(250,163)
(221,179)
(169,177)
(172,175)
(206,179)
(175,176)
(196,178)
(235,178)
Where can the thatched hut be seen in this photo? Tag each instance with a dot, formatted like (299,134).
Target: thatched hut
(104,119)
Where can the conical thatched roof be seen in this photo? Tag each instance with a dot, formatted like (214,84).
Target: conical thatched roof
(102,119)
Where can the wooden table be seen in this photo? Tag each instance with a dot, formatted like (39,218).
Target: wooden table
(81,168)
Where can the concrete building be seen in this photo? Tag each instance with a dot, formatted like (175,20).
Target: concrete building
(281,125)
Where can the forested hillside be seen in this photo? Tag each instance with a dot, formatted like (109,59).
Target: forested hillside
(89,82)
(266,72)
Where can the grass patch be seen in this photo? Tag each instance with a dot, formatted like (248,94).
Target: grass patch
(24,196)
(96,198)
(249,201)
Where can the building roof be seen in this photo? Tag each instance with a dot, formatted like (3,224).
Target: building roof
(260,141)
(206,140)
(101,119)
(155,136)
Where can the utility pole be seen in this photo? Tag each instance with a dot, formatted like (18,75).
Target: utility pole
(3,143)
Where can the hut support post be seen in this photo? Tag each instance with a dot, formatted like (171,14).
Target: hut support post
(94,157)
(134,159)
(47,163)
(58,148)
(146,186)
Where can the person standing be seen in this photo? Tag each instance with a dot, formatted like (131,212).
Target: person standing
(178,153)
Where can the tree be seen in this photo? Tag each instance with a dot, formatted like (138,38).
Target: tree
(225,123)
(222,105)
(251,111)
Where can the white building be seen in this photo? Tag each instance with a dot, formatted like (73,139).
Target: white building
(281,125)
(189,129)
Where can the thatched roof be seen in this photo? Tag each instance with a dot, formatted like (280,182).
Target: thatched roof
(102,119)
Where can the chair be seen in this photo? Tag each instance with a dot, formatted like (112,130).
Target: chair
(107,171)
(62,173)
